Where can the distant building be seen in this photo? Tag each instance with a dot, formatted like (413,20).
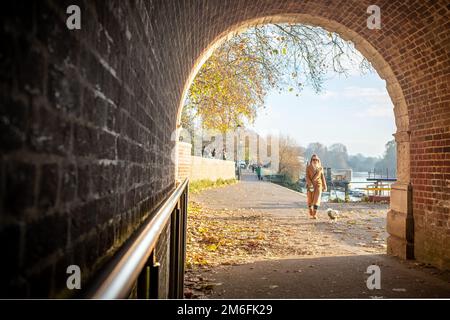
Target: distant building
(341,174)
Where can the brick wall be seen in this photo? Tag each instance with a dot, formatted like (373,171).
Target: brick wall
(85,138)
(86,117)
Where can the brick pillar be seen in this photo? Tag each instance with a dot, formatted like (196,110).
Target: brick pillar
(400,224)
(399,219)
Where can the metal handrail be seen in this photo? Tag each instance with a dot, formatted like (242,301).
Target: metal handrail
(119,277)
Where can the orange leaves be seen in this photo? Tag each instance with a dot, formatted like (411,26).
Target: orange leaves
(228,88)
(228,237)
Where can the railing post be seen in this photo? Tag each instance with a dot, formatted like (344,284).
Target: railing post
(154,277)
(143,283)
(182,252)
(148,280)
(178,247)
(173,275)
(180,260)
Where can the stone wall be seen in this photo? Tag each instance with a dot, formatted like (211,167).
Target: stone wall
(199,168)
(184,160)
(211,169)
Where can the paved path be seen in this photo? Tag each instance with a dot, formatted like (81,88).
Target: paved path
(290,208)
(271,198)
(338,266)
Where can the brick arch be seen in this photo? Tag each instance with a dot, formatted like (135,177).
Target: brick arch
(397,216)
(409,53)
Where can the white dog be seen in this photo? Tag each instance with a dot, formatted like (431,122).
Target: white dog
(332,214)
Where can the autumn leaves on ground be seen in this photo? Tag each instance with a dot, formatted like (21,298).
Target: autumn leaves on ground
(244,222)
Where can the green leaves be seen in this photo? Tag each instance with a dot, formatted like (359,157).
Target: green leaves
(276,51)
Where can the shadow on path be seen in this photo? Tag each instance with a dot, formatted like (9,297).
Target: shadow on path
(330,277)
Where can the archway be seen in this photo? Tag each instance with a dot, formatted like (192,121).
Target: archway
(400,223)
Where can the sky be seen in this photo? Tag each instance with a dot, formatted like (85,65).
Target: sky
(355,110)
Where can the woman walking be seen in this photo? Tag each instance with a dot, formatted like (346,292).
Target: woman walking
(315,184)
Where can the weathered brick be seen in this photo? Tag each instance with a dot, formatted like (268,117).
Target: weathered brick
(62,46)
(106,238)
(49,133)
(48,186)
(13,122)
(106,209)
(85,254)
(68,183)
(83,219)
(84,182)
(111,118)
(85,140)
(94,108)
(64,92)
(44,236)
(19,187)
(106,148)
(32,72)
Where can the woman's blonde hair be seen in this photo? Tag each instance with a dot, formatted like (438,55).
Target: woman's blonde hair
(317,157)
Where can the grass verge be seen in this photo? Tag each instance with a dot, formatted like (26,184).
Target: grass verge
(200,185)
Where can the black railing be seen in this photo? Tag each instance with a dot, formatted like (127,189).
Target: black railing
(135,267)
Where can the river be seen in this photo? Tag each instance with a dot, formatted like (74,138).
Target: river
(358,183)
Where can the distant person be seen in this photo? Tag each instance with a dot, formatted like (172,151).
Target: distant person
(315,184)
(258,172)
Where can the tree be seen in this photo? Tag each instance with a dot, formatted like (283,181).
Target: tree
(360,163)
(337,156)
(290,164)
(228,89)
(318,149)
(231,86)
(389,160)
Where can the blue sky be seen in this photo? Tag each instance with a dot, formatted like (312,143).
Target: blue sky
(355,110)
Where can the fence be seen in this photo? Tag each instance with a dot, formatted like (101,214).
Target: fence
(135,266)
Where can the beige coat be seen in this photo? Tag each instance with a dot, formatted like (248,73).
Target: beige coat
(315,178)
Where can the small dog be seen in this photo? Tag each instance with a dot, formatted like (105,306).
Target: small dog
(332,214)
